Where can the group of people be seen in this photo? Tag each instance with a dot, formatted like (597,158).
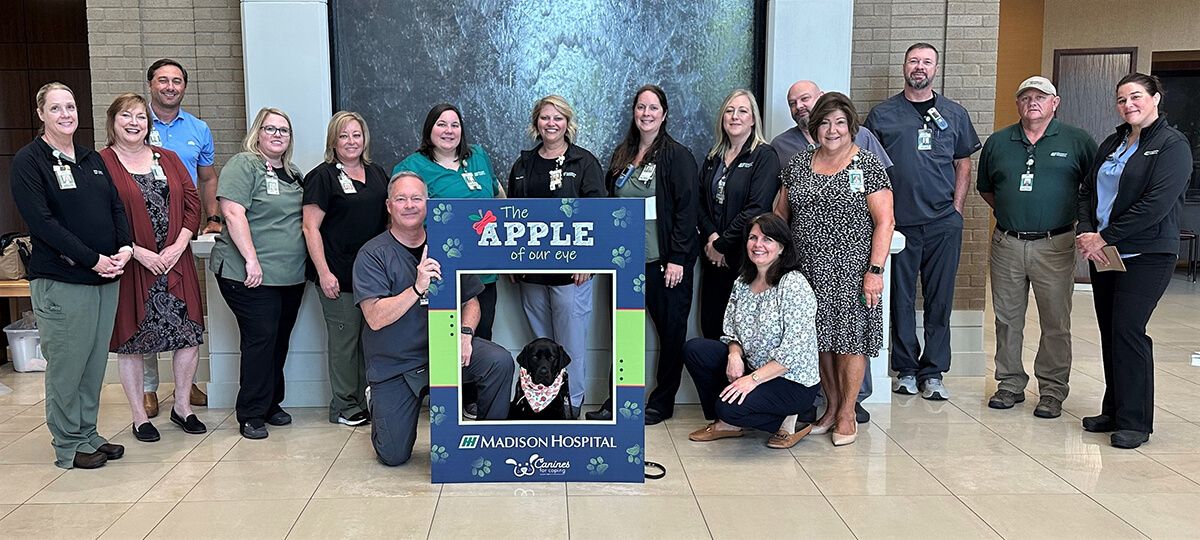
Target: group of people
(792,238)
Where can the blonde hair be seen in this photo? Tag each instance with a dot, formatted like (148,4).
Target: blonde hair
(40,98)
(336,125)
(121,103)
(559,103)
(756,136)
(250,144)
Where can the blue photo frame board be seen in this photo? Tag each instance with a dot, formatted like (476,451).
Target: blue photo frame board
(531,236)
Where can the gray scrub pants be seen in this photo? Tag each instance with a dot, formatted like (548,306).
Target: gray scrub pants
(395,405)
(563,313)
(931,252)
(347,369)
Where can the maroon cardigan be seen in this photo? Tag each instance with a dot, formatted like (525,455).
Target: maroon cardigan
(183,210)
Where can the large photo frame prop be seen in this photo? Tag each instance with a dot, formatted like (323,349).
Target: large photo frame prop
(515,236)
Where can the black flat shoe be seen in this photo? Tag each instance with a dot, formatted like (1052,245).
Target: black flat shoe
(113,451)
(191,424)
(94,460)
(1128,438)
(1102,423)
(601,414)
(654,417)
(281,418)
(146,432)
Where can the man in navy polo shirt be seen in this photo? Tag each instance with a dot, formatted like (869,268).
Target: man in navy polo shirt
(178,131)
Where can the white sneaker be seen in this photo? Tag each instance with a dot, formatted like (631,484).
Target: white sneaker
(906,385)
(934,390)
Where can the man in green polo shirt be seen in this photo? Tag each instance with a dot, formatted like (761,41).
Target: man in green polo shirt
(1029,173)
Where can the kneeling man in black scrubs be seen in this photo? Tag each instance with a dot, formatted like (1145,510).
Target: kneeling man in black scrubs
(392,274)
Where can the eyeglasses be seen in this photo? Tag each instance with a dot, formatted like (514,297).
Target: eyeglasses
(275,130)
(415,200)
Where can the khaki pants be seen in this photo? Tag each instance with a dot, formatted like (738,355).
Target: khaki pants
(75,324)
(1048,265)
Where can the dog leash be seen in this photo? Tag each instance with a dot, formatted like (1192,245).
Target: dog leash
(662,471)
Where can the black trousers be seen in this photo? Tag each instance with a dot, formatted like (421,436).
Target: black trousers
(930,251)
(265,317)
(487,316)
(669,308)
(1124,303)
(715,285)
(763,409)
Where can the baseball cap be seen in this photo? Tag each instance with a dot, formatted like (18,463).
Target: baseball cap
(1039,83)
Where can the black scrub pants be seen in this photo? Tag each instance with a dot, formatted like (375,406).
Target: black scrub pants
(1124,303)
(716,283)
(669,308)
(930,251)
(265,317)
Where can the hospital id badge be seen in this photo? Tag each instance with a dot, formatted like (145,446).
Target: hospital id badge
(272,185)
(924,139)
(556,177)
(66,180)
(347,184)
(856,181)
(158,172)
(1027,182)
(647,174)
(155,138)
(469,178)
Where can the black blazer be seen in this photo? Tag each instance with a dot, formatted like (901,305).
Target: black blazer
(750,188)
(1145,214)
(676,202)
(581,174)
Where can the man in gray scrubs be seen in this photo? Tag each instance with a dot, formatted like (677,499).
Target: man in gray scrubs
(392,275)
(930,138)
(800,100)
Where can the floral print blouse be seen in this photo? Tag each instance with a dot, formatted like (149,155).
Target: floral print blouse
(777,324)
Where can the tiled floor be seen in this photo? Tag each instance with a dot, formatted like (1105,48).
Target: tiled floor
(921,469)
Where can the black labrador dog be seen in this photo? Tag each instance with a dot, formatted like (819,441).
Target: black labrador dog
(544,392)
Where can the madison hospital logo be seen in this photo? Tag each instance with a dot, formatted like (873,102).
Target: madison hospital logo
(538,465)
(468,442)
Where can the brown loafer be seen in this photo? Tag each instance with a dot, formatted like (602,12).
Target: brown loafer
(783,440)
(94,460)
(198,397)
(709,433)
(150,402)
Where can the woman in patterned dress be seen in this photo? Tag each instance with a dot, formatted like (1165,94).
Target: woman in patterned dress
(763,371)
(838,201)
(159,304)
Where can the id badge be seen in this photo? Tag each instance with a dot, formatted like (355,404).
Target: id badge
(856,181)
(158,172)
(66,180)
(469,178)
(647,174)
(272,185)
(924,139)
(1027,182)
(346,182)
(155,138)
(556,177)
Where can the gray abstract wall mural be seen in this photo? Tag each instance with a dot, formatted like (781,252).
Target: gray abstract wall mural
(394,59)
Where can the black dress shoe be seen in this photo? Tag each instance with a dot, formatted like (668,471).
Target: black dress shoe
(146,432)
(113,451)
(601,414)
(861,415)
(281,418)
(253,430)
(1102,423)
(191,424)
(94,460)
(1128,438)
(654,417)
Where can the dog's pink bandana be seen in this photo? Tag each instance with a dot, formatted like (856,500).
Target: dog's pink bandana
(539,396)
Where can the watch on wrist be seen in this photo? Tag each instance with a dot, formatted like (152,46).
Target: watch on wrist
(467,331)
(754,376)
(874,269)
(216,219)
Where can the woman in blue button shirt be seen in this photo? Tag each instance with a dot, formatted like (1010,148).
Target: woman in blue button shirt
(1132,201)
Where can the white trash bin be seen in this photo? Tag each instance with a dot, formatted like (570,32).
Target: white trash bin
(26,348)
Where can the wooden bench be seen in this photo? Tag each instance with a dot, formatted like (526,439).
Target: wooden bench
(14,290)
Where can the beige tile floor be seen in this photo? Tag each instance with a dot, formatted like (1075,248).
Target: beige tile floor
(921,469)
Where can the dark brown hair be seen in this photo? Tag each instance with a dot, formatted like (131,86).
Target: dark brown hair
(165,62)
(1151,83)
(773,227)
(626,151)
(828,104)
(922,45)
(426,148)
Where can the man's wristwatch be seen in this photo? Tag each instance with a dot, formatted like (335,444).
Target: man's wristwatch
(874,269)
(467,331)
(216,219)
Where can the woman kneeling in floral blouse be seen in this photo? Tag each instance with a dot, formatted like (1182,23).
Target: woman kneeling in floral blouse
(764,370)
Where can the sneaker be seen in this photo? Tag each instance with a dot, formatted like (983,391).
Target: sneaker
(1048,407)
(934,390)
(1004,399)
(906,385)
(471,411)
(1101,423)
(281,418)
(357,419)
(1128,438)
(253,430)
(599,414)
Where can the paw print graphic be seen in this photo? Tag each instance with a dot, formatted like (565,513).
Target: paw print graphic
(437,414)
(621,217)
(621,256)
(639,283)
(634,454)
(597,466)
(481,467)
(438,454)
(442,213)
(452,248)
(434,287)
(630,410)
(569,207)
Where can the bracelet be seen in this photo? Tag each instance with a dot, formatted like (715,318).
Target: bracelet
(418,293)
